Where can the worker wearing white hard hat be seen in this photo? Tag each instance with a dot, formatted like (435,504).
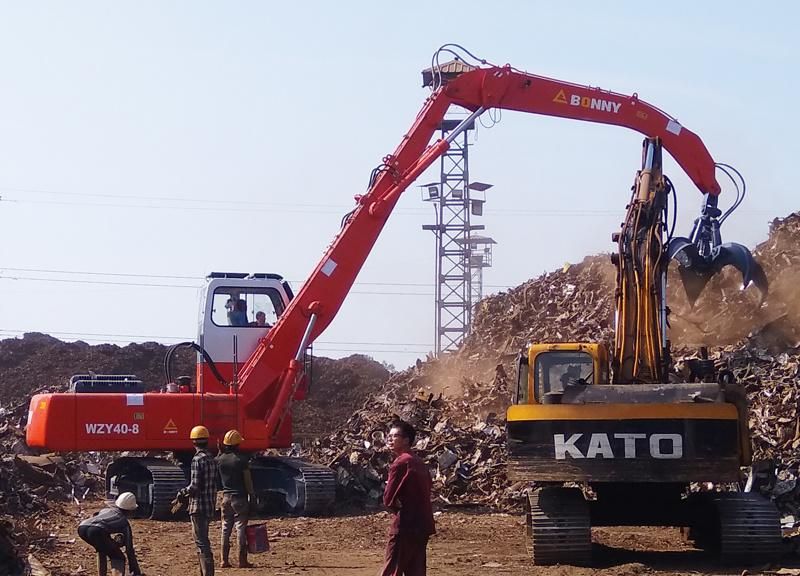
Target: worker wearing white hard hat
(108,531)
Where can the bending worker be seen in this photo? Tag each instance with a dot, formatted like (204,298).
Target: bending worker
(202,493)
(97,531)
(237,486)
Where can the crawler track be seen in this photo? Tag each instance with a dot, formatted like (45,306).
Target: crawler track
(558,527)
(749,528)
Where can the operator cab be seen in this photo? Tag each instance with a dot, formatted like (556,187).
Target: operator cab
(237,310)
(547,371)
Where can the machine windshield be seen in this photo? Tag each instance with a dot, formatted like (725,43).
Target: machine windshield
(553,371)
(249,307)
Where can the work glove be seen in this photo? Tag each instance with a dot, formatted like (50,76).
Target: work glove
(179,502)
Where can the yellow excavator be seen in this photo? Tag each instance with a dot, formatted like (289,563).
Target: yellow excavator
(611,439)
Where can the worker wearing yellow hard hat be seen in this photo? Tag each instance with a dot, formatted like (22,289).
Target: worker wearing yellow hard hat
(237,487)
(232,438)
(199,433)
(202,493)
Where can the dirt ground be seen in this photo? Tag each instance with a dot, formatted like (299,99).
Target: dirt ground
(467,543)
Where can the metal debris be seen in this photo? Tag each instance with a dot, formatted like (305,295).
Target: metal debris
(458,402)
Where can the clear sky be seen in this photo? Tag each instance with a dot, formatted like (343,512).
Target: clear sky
(144,144)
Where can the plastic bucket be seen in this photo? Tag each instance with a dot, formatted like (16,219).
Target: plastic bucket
(257,540)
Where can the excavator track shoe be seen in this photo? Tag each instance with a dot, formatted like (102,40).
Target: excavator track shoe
(301,487)
(749,528)
(558,527)
(155,483)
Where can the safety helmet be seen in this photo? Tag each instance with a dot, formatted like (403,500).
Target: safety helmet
(126,501)
(199,433)
(232,438)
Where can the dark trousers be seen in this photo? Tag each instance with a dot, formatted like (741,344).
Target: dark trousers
(406,555)
(105,546)
(200,524)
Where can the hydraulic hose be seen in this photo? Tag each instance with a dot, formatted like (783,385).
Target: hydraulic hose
(175,347)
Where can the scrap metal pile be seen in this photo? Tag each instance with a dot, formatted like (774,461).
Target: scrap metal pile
(338,388)
(30,484)
(458,403)
(461,438)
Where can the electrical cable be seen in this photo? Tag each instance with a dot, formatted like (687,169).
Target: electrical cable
(195,287)
(146,337)
(201,278)
(333,209)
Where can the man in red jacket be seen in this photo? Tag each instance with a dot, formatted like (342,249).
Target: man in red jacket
(408,497)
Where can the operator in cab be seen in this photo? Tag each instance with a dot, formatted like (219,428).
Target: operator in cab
(108,531)
(237,310)
(571,377)
(261,320)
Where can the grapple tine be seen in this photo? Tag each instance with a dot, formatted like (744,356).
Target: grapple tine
(685,252)
(693,268)
(696,270)
(694,281)
(738,256)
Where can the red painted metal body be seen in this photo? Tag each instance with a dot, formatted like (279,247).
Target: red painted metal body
(59,421)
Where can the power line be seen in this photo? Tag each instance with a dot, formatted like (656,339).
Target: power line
(154,337)
(153,285)
(103,282)
(292,207)
(260,206)
(166,198)
(88,273)
(177,277)
(297,210)
(325,209)
(144,337)
(199,278)
(196,204)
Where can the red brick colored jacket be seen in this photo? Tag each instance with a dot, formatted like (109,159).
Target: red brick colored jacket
(408,496)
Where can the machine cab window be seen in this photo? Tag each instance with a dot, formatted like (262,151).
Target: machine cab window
(245,306)
(554,371)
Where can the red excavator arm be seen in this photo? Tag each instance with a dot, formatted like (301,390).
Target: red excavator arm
(509,89)
(276,360)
